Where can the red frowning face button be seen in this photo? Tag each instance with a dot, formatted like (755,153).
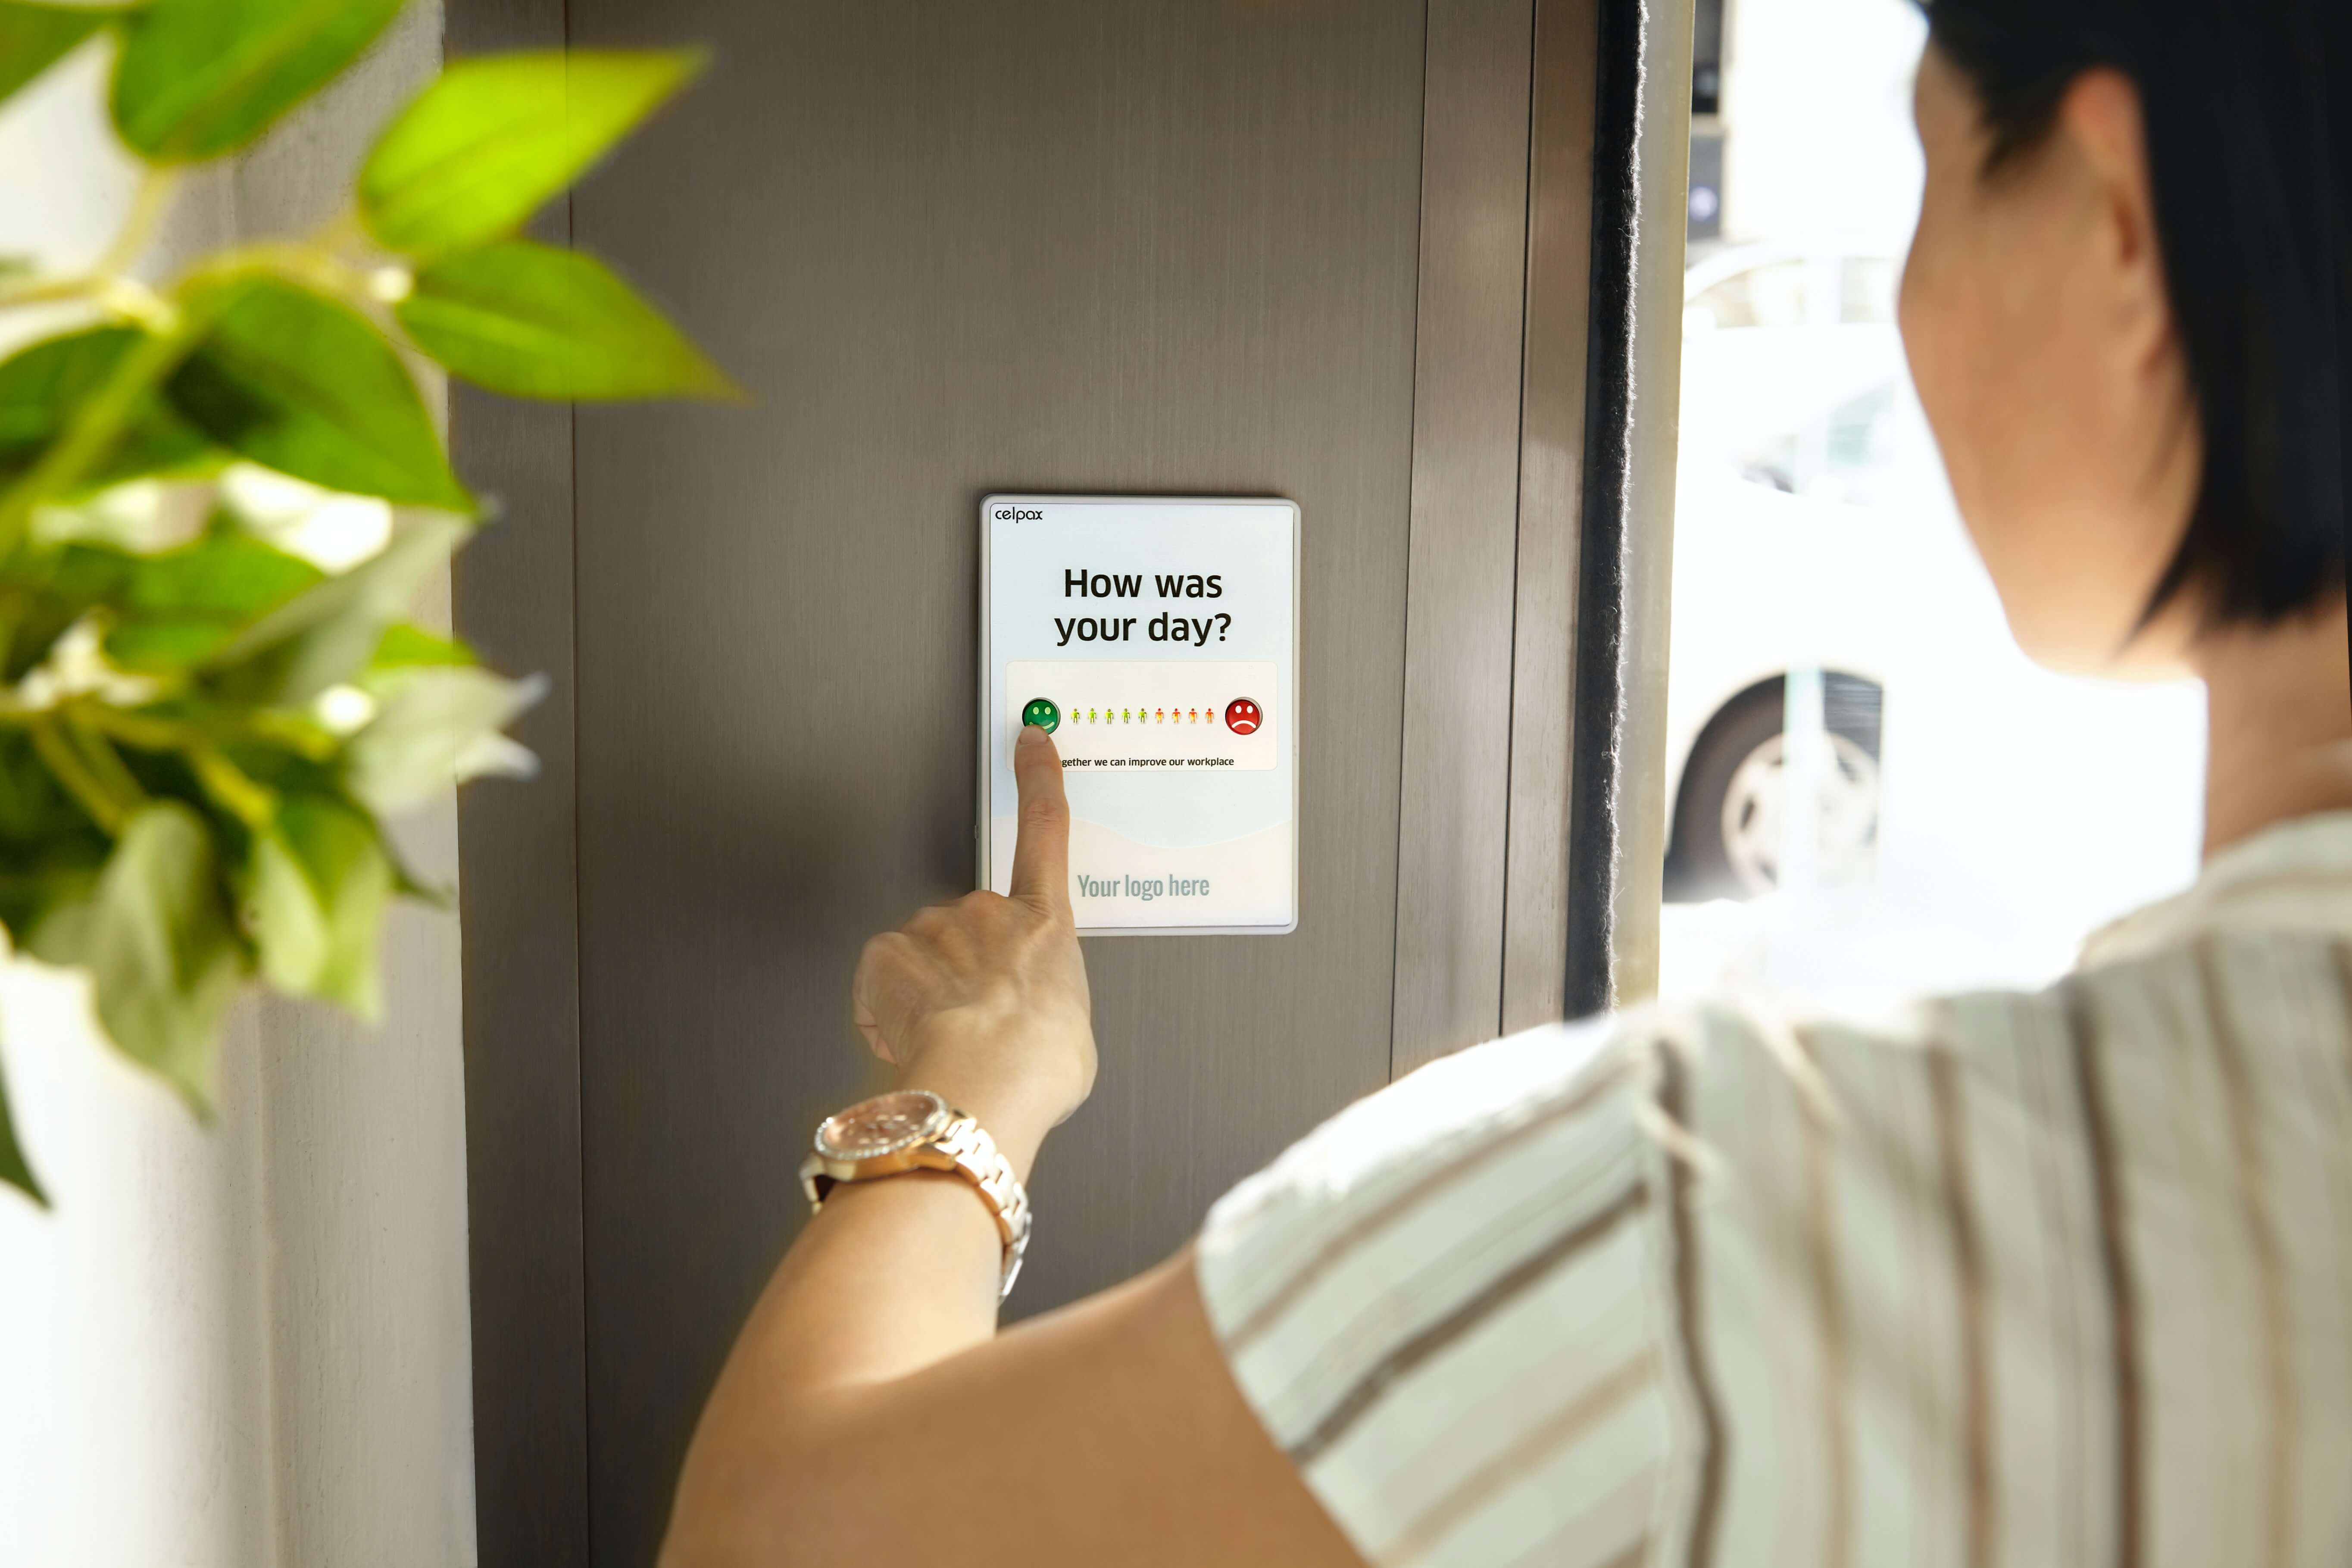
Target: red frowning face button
(1241,716)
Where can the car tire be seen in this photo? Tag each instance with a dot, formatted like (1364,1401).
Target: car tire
(1700,865)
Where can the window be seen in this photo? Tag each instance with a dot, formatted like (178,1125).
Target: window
(1706,58)
(1771,294)
(1862,771)
(1866,291)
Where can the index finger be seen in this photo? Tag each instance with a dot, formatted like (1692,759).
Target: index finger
(1041,851)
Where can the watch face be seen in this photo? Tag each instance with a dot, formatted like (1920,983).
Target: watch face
(878,1126)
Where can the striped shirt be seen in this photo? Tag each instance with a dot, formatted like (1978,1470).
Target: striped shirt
(2007,1279)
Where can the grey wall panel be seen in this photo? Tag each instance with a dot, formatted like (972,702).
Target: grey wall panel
(1465,493)
(513,594)
(1551,490)
(951,246)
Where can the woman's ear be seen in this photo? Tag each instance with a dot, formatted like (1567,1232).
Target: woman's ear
(2100,123)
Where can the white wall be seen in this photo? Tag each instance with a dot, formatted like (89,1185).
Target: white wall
(246,1346)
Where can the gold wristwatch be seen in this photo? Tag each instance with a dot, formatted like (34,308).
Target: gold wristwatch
(914,1129)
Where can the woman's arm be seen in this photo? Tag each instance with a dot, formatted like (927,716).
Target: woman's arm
(870,1409)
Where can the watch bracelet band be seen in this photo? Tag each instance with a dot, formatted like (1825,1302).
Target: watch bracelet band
(964,1147)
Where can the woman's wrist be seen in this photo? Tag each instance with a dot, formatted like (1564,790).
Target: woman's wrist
(1014,1108)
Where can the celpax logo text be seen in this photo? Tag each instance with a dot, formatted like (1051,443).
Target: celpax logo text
(1019,514)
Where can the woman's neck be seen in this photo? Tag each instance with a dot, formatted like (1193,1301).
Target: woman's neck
(2278,724)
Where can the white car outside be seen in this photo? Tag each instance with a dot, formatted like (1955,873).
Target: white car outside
(1796,432)
(1814,531)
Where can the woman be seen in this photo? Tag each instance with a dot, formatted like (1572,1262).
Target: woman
(2010,1278)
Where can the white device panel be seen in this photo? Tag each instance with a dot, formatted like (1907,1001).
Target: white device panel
(1157,638)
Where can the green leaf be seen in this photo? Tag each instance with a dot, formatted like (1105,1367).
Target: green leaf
(156,937)
(28,897)
(226,574)
(50,852)
(328,633)
(179,608)
(35,37)
(13,1170)
(282,767)
(437,728)
(485,146)
(405,647)
(153,647)
(531,321)
(41,387)
(305,386)
(316,889)
(202,77)
(45,591)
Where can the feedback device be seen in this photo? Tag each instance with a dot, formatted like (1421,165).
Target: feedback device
(1157,640)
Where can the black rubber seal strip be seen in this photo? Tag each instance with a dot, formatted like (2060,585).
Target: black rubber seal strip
(1597,724)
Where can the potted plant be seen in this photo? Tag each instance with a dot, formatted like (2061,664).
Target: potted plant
(220,494)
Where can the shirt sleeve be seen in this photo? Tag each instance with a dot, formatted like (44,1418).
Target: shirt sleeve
(1444,1306)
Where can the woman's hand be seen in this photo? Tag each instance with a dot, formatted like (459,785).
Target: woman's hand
(1113,1432)
(984,1001)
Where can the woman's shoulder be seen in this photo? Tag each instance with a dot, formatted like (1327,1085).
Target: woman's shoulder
(1746,1088)
(1609,1244)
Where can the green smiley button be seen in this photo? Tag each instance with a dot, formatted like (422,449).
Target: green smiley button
(1042,715)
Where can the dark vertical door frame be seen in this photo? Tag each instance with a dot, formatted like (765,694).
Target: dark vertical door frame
(1617,787)
(518,906)
(1598,622)
(1531,833)
(1451,840)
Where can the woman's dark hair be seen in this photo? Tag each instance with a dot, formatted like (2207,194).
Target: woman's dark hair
(2251,181)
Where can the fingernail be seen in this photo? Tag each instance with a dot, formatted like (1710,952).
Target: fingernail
(1031,734)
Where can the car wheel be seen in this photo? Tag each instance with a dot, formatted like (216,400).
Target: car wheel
(1728,814)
